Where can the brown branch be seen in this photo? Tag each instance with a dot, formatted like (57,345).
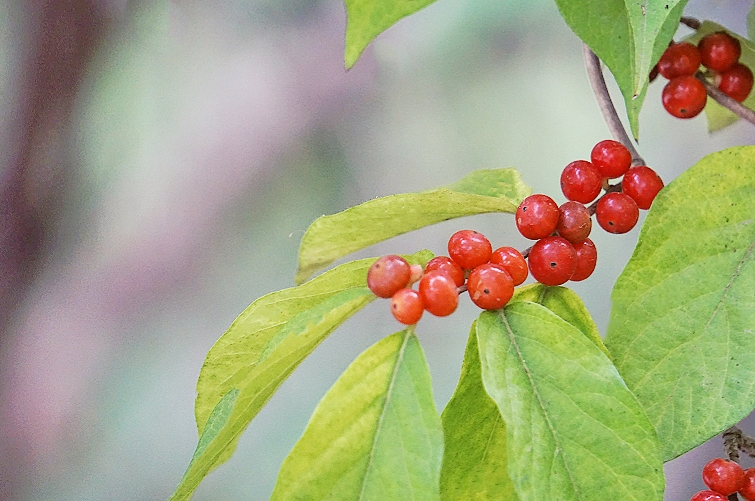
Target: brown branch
(725,101)
(690,22)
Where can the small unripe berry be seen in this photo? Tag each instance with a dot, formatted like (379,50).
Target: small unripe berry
(490,287)
(679,59)
(406,306)
(512,261)
(537,216)
(552,260)
(736,82)
(438,293)
(469,249)
(747,490)
(684,97)
(617,212)
(642,184)
(574,222)
(587,258)
(581,181)
(708,496)
(719,51)
(611,158)
(723,476)
(447,265)
(387,275)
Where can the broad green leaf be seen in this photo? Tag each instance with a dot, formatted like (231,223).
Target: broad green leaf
(375,435)
(262,348)
(718,116)
(576,431)
(474,460)
(683,319)
(337,235)
(366,19)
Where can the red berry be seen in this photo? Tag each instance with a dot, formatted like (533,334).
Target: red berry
(574,222)
(447,265)
(747,490)
(581,181)
(552,260)
(387,275)
(416,273)
(490,286)
(537,216)
(438,292)
(719,51)
(642,184)
(512,261)
(679,59)
(684,97)
(469,249)
(736,82)
(611,158)
(708,496)
(617,212)
(587,258)
(723,476)
(406,306)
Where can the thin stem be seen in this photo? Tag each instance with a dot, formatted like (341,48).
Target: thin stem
(690,22)
(598,83)
(725,101)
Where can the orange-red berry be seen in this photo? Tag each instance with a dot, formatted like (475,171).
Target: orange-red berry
(723,476)
(679,59)
(512,261)
(438,293)
(490,286)
(447,265)
(387,275)
(747,490)
(537,216)
(617,212)
(642,184)
(406,306)
(736,82)
(574,222)
(552,260)
(581,181)
(684,97)
(587,258)
(469,249)
(611,158)
(708,496)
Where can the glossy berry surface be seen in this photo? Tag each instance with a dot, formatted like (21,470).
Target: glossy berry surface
(719,51)
(587,258)
(723,476)
(574,222)
(552,260)
(513,262)
(684,97)
(642,184)
(469,249)
(747,490)
(617,213)
(611,158)
(537,216)
(708,496)
(447,265)
(387,275)
(581,181)
(406,306)
(679,59)
(736,82)
(490,286)
(438,293)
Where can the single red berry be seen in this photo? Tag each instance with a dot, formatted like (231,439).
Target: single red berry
(617,212)
(587,258)
(438,292)
(684,97)
(581,181)
(723,476)
(574,222)
(406,306)
(719,51)
(552,260)
(611,158)
(708,496)
(490,286)
(387,275)
(747,490)
(512,261)
(642,184)
(537,216)
(736,82)
(469,248)
(446,265)
(679,59)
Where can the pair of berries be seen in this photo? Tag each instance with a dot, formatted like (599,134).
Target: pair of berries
(724,478)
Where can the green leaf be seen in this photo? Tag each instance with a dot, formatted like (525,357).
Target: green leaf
(681,328)
(262,348)
(375,435)
(366,19)
(576,431)
(475,457)
(751,23)
(335,236)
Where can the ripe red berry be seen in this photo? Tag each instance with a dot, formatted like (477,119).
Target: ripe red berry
(469,249)
(552,260)
(537,216)
(438,293)
(490,286)
(684,97)
(719,51)
(587,258)
(642,184)
(679,59)
(708,496)
(747,490)
(574,222)
(617,212)
(387,275)
(406,306)
(446,265)
(611,158)
(723,476)
(736,82)
(581,181)
(512,261)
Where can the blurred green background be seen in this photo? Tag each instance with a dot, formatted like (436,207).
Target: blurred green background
(201,140)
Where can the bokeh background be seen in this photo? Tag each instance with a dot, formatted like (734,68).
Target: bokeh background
(159,162)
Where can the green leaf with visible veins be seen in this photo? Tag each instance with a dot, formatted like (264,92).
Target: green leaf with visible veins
(375,435)
(332,237)
(574,430)
(475,457)
(261,349)
(682,328)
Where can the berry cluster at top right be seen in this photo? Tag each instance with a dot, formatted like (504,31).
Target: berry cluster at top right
(684,95)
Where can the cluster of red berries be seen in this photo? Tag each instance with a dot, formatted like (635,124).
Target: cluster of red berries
(684,96)
(724,478)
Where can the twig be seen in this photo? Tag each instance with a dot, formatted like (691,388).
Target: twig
(725,101)
(731,438)
(690,22)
